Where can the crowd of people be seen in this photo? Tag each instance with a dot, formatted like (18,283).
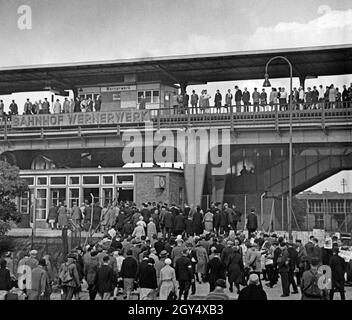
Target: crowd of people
(163,252)
(242,101)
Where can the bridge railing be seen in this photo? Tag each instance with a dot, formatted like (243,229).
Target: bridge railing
(268,115)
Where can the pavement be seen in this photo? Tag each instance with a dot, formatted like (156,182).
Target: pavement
(203,289)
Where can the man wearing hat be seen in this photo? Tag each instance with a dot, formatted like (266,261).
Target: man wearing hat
(215,270)
(252,222)
(176,252)
(253,291)
(40,289)
(184,274)
(90,274)
(147,278)
(218,293)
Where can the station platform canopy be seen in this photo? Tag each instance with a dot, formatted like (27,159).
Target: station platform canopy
(184,70)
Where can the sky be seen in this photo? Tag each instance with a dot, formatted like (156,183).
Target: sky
(91,30)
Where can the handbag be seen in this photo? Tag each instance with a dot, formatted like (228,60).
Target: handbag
(172,296)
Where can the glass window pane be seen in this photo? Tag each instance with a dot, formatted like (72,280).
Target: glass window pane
(41,204)
(107,180)
(74,197)
(42,181)
(148,96)
(156,97)
(74,180)
(124,179)
(30,181)
(91,180)
(58,180)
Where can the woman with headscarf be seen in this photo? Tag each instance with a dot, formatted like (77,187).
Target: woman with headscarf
(167,280)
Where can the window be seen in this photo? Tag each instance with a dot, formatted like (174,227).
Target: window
(40,210)
(42,181)
(58,180)
(124,179)
(29,180)
(25,202)
(107,196)
(150,96)
(315,206)
(90,179)
(107,179)
(155,98)
(319,221)
(74,180)
(73,197)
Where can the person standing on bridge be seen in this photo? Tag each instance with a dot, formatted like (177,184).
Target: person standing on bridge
(66,106)
(263,99)
(57,107)
(194,102)
(256,99)
(246,98)
(27,107)
(228,99)
(97,103)
(218,101)
(13,108)
(46,106)
(238,98)
(2,109)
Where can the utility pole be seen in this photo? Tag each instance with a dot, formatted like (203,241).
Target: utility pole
(344,184)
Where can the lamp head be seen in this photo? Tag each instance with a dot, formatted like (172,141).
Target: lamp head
(266,81)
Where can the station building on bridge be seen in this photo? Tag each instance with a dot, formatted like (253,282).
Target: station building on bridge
(74,157)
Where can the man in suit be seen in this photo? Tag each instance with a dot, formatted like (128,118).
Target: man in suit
(218,101)
(105,279)
(184,274)
(238,98)
(252,222)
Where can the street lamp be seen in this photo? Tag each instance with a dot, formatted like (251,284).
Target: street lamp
(267,84)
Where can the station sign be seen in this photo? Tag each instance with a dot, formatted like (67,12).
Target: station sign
(80,119)
(119,88)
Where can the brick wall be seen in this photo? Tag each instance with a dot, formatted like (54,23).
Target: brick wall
(145,191)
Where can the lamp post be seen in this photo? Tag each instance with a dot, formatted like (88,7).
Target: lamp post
(267,84)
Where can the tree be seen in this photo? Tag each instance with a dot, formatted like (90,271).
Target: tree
(11,185)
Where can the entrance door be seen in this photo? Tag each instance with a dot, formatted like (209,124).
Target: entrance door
(89,192)
(58,195)
(125,194)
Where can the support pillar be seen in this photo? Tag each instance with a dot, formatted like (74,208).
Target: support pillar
(219,188)
(302,80)
(194,181)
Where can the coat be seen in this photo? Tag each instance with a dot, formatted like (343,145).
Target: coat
(62,217)
(197,222)
(40,280)
(105,279)
(252,221)
(129,268)
(168,220)
(183,269)
(208,222)
(179,223)
(90,270)
(147,277)
(338,269)
(252,292)
(235,268)
(202,258)
(215,269)
(5,279)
